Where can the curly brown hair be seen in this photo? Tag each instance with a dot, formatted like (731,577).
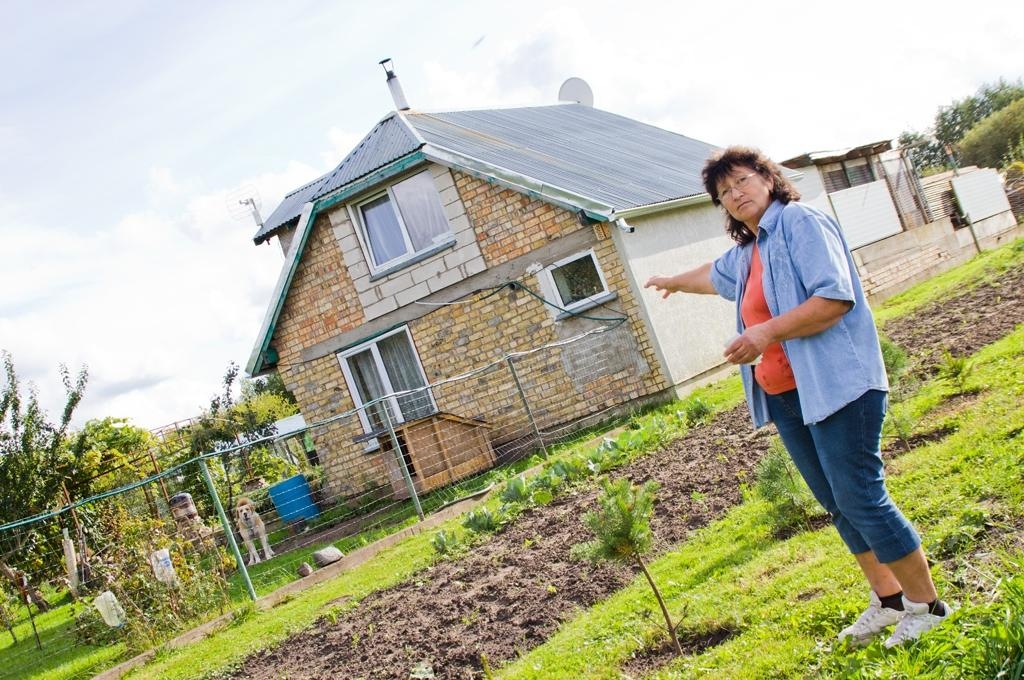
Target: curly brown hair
(724,161)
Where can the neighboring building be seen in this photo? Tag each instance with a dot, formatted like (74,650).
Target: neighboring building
(577,205)
(904,228)
(871,190)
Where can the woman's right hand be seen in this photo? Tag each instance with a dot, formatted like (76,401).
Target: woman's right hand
(697,280)
(662,284)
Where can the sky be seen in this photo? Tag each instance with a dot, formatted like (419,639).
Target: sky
(130,131)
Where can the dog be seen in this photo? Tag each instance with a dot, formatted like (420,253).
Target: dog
(249,527)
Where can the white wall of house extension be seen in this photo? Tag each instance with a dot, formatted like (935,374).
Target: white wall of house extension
(812,189)
(689,332)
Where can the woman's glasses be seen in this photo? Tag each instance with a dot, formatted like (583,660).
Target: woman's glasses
(737,187)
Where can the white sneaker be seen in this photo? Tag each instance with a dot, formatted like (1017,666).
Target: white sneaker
(916,621)
(873,621)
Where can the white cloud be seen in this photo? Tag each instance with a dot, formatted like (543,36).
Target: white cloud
(156,305)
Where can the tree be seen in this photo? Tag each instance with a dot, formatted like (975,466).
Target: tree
(931,153)
(227,427)
(623,530)
(268,384)
(33,453)
(106,454)
(992,142)
(927,155)
(953,122)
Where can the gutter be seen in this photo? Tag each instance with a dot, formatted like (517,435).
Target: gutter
(663,206)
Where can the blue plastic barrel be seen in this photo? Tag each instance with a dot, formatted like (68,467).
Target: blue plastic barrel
(292,499)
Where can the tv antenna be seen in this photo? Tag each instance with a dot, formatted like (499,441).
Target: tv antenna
(244,202)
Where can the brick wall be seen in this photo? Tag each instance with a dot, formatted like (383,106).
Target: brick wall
(507,223)
(910,267)
(322,302)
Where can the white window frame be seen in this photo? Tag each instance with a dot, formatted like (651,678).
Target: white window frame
(550,288)
(384,378)
(356,213)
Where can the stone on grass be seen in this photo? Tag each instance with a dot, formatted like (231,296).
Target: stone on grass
(305,570)
(326,556)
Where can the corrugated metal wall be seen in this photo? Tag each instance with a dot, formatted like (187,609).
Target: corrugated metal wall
(866,213)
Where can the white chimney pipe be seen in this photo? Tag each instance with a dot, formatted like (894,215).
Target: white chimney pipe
(396,87)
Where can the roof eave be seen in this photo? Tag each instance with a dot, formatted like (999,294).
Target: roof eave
(663,206)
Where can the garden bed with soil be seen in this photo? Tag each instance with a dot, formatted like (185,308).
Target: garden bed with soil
(510,593)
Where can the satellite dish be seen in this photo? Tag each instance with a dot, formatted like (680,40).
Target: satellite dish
(576,90)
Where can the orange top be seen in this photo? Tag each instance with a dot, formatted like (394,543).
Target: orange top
(773,373)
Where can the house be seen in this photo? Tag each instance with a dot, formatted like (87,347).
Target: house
(443,242)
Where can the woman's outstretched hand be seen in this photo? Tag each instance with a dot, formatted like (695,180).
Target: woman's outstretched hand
(662,284)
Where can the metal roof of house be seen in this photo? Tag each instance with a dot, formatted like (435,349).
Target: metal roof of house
(578,151)
(591,153)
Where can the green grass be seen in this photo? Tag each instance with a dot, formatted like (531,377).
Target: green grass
(56,636)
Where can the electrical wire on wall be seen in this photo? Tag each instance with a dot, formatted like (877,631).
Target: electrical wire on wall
(481,294)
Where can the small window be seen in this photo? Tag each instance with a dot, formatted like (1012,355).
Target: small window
(835,178)
(576,282)
(406,219)
(859,172)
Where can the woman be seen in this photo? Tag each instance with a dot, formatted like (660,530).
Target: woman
(820,378)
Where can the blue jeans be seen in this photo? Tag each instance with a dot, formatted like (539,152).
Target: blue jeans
(840,460)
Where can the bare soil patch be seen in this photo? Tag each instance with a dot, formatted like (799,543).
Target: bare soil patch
(965,324)
(509,594)
(647,660)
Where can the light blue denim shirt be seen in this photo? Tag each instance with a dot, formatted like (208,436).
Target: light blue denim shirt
(804,254)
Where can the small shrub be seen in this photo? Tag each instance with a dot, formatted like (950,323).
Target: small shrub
(955,371)
(899,423)
(444,543)
(607,456)
(696,411)
(622,525)
(482,520)
(792,505)
(894,357)
(515,491)
(570,469)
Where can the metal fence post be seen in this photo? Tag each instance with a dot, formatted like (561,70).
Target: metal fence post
(401,460)
(228,535)
(526,404)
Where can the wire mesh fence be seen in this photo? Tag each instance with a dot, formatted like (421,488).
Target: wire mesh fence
(108,576)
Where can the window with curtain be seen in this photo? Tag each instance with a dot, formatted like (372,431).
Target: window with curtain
(407,219)
(381,368)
